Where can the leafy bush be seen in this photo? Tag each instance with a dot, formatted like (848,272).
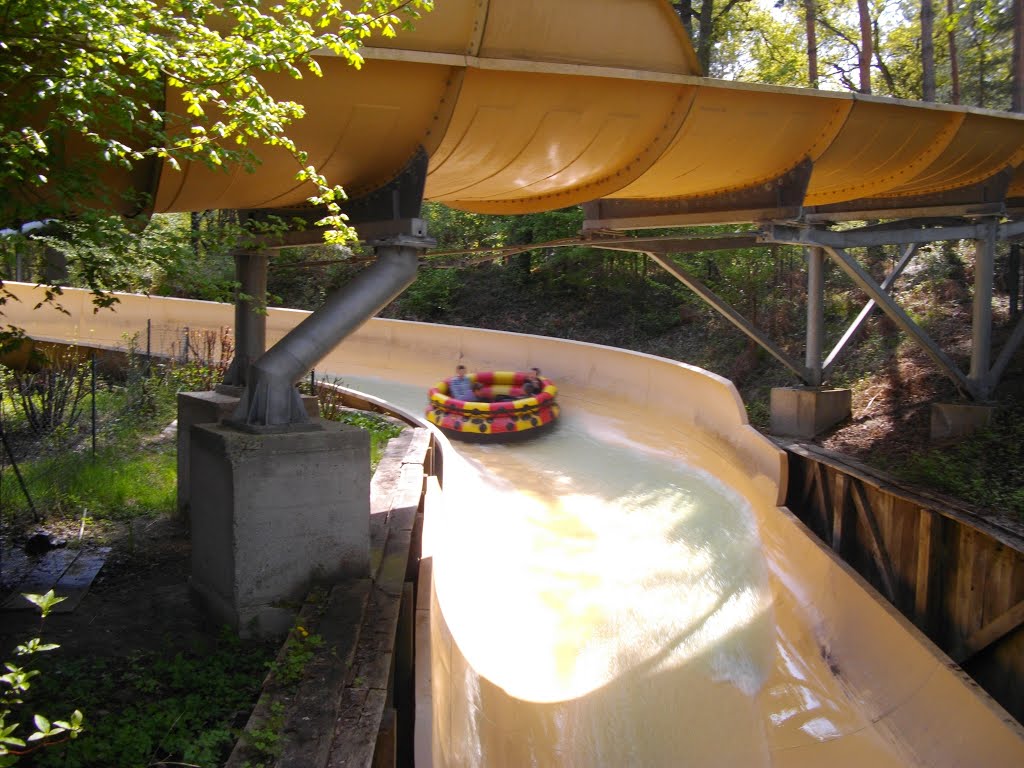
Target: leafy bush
(432,295)
(16,683)
(156,707)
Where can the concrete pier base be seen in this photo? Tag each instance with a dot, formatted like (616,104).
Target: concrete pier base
(210,408)
(272,514)
(196,408)
(807,411)
(952,420)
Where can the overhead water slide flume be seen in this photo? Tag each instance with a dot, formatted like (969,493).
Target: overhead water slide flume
(529,106)
(627,591)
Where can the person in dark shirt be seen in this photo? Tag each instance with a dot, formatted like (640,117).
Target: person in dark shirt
(533,385)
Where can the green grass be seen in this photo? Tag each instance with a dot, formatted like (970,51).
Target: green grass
(119,483)
(381,430)
(984,469)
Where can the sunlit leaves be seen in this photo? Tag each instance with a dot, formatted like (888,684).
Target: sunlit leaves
(100,68)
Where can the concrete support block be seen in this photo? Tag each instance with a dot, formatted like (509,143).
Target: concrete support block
(952,420)
(210,408)
(274,513)
(196,408)
(807,411)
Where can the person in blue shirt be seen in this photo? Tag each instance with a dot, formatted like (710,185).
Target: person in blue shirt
(460,387)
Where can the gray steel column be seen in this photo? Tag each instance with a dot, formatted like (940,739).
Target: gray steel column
(815,314)
(250,313)
(270,398)
(981,319)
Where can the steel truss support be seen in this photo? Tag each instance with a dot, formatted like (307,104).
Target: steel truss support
(815,314)
(250,313)
(981,317)
(866,312)
(271,399)
(865,282)
(983,376)
(725,309)
(388,220)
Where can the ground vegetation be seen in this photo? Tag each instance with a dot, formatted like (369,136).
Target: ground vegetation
(154,681)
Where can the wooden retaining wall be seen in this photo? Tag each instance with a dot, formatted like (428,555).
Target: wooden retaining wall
(957,575)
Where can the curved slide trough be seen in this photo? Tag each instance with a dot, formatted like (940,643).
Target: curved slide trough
(627,590)
(525,105)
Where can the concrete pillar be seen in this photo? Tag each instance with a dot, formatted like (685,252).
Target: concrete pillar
(981,319)
(250,313)
(209,408)
(815,314)
(274,513)
(954,420)
(806,412)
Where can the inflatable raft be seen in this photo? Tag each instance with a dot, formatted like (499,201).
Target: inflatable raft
(505,409)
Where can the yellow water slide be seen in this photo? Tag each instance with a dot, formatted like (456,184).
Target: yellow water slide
(626,591)
(526,106)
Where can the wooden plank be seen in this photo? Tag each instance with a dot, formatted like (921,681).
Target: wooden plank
(807,466)
(901,519)
(1003,528)
(77,579)
(419,445)
(997,598)
(42,578)
(839,521)
(821,491)
(385,753)
(981,568)
(929,531)
(990,633)
(877,546)
(962,568)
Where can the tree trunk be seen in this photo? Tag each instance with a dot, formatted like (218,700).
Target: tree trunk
(195,233)
(811,18)
(1017,102)
(685,11)
(954,64)
(706,18)
(866,46)
(927,50)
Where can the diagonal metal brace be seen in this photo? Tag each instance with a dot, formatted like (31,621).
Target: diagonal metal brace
(867,284)
(868,309)
(730,314)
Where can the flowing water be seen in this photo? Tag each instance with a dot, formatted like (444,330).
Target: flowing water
(602,602)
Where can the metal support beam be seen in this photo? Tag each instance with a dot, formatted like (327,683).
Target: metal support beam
(730,314)
(250,314)
(815,314)
(981,317)
(271,400)
(863,238)
(865,313)
(865,282)
(1011,346)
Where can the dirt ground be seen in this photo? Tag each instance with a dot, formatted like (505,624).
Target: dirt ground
(139,599)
